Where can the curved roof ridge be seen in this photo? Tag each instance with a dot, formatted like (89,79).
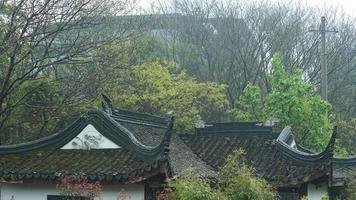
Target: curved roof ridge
(108,108)
(44,141)
(138,122)
(235,128)
(113,127)
(106,125)
(137,115)
(283,144)
(345,160)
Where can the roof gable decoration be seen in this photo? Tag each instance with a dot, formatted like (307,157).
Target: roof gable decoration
(106,104)
(90,138)
(107,126)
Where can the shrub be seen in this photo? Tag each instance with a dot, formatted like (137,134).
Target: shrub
(193,189)
(236,181)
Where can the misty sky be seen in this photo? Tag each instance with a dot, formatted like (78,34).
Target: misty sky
(349,6)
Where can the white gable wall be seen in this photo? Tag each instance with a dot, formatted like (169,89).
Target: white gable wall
(316,192)
(90,138)
(22,191)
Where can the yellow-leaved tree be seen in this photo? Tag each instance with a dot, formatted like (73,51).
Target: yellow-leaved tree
(160,86)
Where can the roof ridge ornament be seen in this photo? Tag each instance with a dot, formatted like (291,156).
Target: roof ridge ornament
(106,104)
(331,145)
(283,145)
(168,135)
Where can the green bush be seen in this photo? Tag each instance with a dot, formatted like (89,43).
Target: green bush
(245,186)
(194,189)
(236,181)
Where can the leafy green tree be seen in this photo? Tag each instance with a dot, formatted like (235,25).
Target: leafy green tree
(144,47)
(42,107)
(250,105)
(293,102)
(39,40)
(160,87)
(121,70)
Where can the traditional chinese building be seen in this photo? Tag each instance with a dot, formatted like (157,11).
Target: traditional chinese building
(276,157)
(110,148)
(135,153)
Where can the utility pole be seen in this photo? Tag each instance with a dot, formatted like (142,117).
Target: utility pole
(354,93)
(324,70)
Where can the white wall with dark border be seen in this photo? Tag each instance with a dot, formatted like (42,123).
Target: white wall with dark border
(39,191)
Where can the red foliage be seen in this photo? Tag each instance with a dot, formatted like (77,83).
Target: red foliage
(78,185)
(123,195)
(165,195)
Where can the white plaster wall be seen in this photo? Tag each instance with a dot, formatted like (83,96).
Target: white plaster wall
(21,191)
(90,130)
(316,192)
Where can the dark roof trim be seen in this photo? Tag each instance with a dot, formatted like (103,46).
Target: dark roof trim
(239,128)
(106,125)
(52,141)
(130,116)
(141,123)
(304,149)
(139,117)
(347,160)
(283,144)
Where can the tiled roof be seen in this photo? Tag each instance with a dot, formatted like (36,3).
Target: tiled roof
(262,151)
(343,168)
(98,164)
(183,161)
(147,135)
(150,131)
(139,156)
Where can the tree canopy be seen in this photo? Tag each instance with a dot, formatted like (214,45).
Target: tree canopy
(160,86)
(292,102)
